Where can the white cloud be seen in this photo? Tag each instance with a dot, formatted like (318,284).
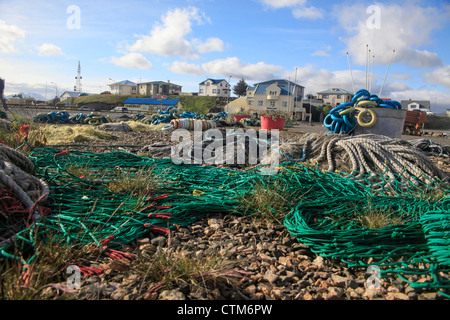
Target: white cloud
(48,49)
(439,76)
(283,3)
(210,45)
(186,68)
(398,30)
(323,53)
(237,69)
(132,60)
(168,38)
(315,80)
(8,34)
(312,13)
(299,8)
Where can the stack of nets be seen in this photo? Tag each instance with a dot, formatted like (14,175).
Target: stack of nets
(329,214)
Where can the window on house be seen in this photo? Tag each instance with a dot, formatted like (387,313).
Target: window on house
(201,91)
(284,104)
(218,90)
(325,96)
(260,103)
(214,91)
(272,104)
(339,96)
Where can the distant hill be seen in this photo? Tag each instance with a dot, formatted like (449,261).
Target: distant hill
(190,103)
(36,96)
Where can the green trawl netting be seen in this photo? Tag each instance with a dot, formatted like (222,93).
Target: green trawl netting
(336,215)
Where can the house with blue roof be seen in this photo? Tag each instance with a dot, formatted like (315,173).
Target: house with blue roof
(124,87)
(277,94)
(151,104)
(214,88)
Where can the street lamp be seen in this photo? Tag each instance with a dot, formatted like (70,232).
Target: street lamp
(229,93)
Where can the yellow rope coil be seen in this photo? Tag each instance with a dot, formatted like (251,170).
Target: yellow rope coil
(367,124)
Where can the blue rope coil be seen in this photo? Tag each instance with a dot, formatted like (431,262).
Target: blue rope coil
(341,119)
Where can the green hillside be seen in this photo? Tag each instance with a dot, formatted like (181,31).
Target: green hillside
(190,103)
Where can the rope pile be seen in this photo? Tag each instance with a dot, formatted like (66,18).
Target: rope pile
(251,122)
(366,157)
(430,148)
(191,124)
(52,117)
(64,117)
(185,119)
(21,194)
(342,119)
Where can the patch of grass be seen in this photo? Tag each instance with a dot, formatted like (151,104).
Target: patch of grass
(12,134)
(52,258)
(171,268)
(83,172)
(378,218)
(136,182)
(270,199)
(437,122)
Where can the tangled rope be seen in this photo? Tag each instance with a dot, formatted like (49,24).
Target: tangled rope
(175,118)
(64,117)
(430,148)
(363,155)
(52,117)
(21,193)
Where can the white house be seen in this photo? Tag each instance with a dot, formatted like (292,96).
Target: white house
(124,87)
(420,105)
(335,96)
(72,94)
(214,88)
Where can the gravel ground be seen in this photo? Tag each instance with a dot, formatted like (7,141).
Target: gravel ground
(258,261)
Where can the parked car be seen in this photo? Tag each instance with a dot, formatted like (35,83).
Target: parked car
(121,109)
(84,108)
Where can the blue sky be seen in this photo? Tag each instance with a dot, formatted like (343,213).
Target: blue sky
(188,41)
